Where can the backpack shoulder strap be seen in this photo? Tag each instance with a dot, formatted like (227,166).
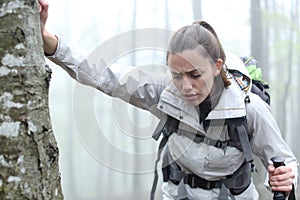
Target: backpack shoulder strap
(238,134)
(260,89)
(166,126)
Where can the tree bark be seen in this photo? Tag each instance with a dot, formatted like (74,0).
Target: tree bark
(28,154)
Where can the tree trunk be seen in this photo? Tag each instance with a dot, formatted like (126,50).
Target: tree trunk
(265,64)
(257,40)
(258,51)
(279,63)
(289,64)
(28,153)
(197,10)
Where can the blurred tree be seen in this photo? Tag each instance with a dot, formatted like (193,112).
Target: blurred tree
(28,153)
(280,30)
(294,137)
(277,29)
(289,63)
(138,180)
(197,9)
(282,43)
(295,144)
(259,49)
(256,30)
(258,42)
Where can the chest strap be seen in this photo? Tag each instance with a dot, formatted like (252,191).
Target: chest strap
(237,183)
(238,134)
(197,138)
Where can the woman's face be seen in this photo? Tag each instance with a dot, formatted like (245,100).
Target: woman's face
(193,75)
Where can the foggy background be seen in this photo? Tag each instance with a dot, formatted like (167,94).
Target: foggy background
(107,152)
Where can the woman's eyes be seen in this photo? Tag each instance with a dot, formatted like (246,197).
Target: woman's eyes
(193,75)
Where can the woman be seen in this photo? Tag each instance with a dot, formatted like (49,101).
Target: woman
(202,90)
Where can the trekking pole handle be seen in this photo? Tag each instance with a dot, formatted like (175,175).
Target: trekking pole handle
(277,162)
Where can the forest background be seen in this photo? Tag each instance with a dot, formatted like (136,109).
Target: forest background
(95,169)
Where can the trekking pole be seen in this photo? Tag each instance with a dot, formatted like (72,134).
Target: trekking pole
(277,162)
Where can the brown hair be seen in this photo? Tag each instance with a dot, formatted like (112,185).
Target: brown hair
(199,34)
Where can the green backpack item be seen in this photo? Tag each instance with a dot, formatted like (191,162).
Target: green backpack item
(259,86)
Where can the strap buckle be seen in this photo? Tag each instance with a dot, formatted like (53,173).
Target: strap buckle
(194,181)
(198,138)
(221,144)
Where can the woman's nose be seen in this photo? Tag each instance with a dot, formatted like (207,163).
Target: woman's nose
(186,84)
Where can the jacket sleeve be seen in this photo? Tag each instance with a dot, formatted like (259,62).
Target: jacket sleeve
(267,140)
(140,86)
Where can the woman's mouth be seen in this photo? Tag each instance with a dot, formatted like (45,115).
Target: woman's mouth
(190,97)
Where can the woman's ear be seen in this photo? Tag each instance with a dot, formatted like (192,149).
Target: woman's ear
(219,65)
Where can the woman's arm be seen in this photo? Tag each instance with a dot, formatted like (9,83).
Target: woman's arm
(50,41)
(139,86)
(267,142)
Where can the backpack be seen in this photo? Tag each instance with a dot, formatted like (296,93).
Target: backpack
(259,86)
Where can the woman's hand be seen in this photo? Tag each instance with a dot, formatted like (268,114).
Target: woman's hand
(281,178)
(50,40)
(43,8)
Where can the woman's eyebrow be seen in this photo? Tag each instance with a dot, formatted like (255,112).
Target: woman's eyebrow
(186,72)
(191,71)
(194,70)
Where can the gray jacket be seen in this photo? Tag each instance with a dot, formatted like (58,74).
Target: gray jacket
(154,91)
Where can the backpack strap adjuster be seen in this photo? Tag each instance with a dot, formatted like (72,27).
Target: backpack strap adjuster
(247,99)
(221,144)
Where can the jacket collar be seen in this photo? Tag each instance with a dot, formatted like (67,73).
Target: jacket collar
(231,104)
